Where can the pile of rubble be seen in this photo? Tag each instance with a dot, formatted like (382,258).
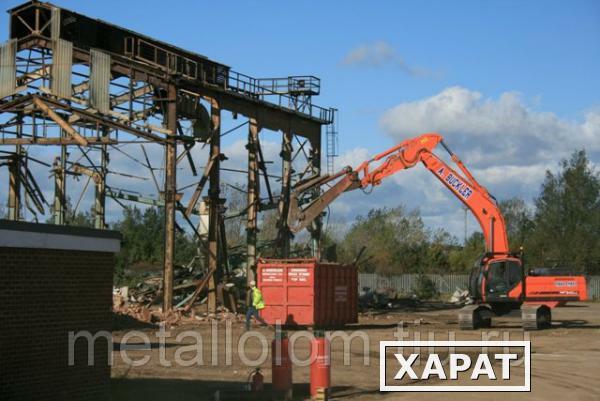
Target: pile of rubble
(384,297)
(142,301)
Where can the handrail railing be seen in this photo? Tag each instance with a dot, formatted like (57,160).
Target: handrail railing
(266,89)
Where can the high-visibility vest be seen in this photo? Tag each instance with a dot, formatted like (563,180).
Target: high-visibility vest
(257,299)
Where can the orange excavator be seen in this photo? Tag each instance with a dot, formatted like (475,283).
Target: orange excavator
(498,284)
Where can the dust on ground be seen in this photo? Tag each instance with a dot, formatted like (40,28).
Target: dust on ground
(564,358)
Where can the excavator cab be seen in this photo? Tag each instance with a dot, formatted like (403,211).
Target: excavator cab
(496,280)
(502,281)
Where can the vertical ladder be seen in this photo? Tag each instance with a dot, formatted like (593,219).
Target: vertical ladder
(331,132)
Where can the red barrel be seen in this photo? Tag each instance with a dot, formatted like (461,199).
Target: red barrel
(256,383)
(281,364)
(320,364)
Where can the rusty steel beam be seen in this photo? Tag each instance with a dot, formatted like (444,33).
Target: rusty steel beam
(33,76)
(62,123)
(90,116)
(283,231)
(14,169)
(100,195)
(317,224)
(14,186)
(60,187)
(129,96)
(54,141)
(200,187)
(17,105)
(253,200)
(214,203)
(170,201)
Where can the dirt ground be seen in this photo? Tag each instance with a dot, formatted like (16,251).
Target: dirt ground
(564,364)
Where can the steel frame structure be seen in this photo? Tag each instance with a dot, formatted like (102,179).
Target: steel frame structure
(93,88)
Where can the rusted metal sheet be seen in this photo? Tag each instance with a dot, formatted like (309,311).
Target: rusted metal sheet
(100,80)
(8,68)
(61,68)
(55,24)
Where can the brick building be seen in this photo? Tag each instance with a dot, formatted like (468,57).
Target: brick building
(55,280)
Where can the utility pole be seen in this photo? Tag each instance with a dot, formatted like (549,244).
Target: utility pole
(466,209)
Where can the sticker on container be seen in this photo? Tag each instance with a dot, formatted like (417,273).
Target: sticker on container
(272,275)
(340,293)
(298,275)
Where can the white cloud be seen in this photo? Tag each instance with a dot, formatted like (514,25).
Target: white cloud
(506,144)
(379,54)
(352,158)
(492,132)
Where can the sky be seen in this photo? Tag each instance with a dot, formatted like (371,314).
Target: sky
(513,86)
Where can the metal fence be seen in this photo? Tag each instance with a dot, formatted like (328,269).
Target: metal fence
(594,287)
(445,283)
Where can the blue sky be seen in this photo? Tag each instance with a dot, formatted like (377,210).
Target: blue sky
(389,65)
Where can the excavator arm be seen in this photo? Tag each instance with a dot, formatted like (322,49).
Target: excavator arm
(304,208)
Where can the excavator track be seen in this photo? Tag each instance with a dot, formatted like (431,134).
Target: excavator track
(536,317)
(472,317)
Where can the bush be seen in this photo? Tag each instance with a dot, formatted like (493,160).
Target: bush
(425,288)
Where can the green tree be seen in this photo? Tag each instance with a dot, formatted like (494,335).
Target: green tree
(567,217)
(462,259)
(143,237)
(438,252)
(519,221)
(395,241)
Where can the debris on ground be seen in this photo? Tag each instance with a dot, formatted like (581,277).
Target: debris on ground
(384,298)
(141,300)
(460,297)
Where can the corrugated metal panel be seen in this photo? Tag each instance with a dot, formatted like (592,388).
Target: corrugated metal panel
(594,288)
(405,283)
(55,25)
(100,80)
(8,68)
(61,68)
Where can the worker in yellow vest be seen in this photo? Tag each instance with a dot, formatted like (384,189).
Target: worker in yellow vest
(254,303)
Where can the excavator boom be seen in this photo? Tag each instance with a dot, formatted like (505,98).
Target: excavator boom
(403,156)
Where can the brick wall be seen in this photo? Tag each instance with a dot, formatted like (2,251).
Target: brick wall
(45,294)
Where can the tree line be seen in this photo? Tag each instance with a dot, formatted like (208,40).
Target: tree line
(562,229)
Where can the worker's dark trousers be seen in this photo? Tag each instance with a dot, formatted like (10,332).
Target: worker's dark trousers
(252,311)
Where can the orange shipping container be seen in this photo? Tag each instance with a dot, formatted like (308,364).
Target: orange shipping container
(305,292)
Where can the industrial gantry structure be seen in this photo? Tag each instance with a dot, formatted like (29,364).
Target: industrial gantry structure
(90,88)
